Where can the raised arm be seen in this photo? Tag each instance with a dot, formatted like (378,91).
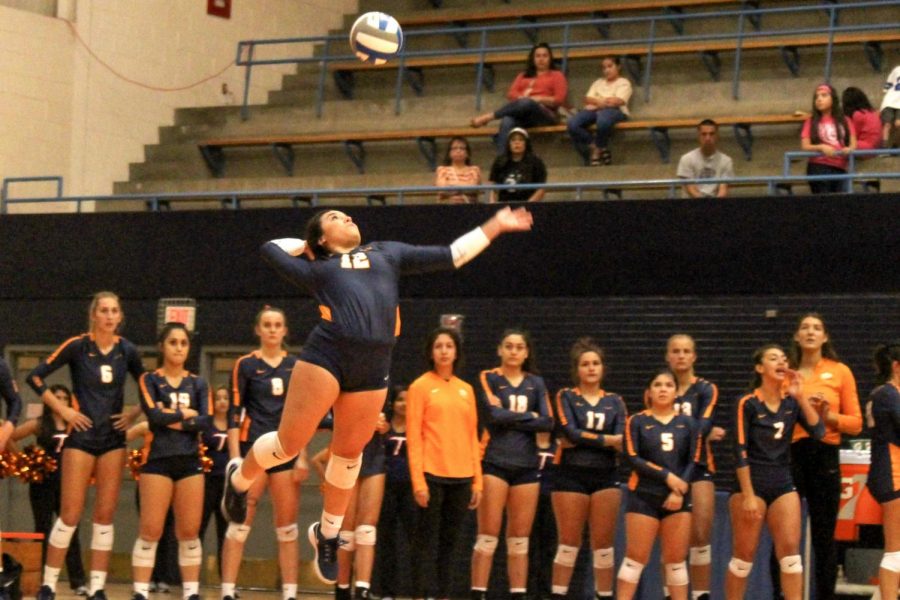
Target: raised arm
(506,220)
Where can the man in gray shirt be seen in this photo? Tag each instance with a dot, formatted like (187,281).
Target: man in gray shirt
(705,162)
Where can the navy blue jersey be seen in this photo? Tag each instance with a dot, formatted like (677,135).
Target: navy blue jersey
(357,292)
(511,421)
(258,393)
(216,442)
(10,393)
(699,401)
(98,383)
(162,403)
(764,437)
(883,416)
(654,449)
(585,425)
(395,453)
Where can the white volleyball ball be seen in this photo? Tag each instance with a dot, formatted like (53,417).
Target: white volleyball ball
(376,37)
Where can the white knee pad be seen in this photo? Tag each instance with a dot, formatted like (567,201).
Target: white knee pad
(286,533)
(143,554)
(791,564)
(739,568)
(701,555)
(190,552)
(342,472)
(269,452)
(486,544)
(365,535)
(61,534)
(102,537)
(676,573)
(516,545)
(630,570)
(347,540)
(237,532)
(604,558)
(891,562)
(566,555)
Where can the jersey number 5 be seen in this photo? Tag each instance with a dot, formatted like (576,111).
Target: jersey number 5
(358,260)
(668,441)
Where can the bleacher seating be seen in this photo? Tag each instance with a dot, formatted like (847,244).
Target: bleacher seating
(388,149)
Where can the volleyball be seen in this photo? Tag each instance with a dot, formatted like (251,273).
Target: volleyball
(376,37)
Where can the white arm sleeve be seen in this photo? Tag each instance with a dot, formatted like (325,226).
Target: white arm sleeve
(468,246)
(292,246)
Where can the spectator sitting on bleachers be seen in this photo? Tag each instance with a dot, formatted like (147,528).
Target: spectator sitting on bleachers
(534,97)
(890,107)
(457,170)
(865,120)
(706,162)
(605,104)
(830,132)
(518,164)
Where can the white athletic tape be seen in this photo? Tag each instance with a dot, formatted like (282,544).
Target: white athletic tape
(102,537)
(342,472)
(286,533)
(566,555)
(739,568)
(143,554)
(676,573)
(701,555)
(791,564)
(190,552)
(365,535)
(604,558)
(516,545)
(237,532)
(630,570)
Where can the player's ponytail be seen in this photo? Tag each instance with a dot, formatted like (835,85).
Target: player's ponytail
(314,233)
(885,356)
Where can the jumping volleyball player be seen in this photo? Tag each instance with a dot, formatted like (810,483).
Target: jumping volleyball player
(345,361)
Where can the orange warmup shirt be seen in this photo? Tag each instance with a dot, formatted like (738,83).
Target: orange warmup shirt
(442,430)
(837,385)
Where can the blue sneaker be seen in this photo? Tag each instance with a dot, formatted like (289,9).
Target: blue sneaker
(45,593)
(325,560)
(234,503)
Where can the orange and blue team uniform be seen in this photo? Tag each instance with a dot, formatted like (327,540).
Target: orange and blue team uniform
(509,440)
(764,443)
(175,453)
(699,402)
(257,398)
(588,466)
(358,300)
(654,449)
(884,470)
(10,393)
(98,384)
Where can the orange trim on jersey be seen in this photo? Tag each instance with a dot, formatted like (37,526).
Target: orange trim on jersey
(494,400)
(894,450)
(710,459)
(559,408)
(740,419)
(245,428)
(145,393)
(633,481)
(629,445)
(62,347)
(325,312)
(396,324)
(712,403)
(235,389)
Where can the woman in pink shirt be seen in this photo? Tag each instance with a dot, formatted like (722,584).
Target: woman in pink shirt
(457,170)
(828,131)
(534,97)
(866,120)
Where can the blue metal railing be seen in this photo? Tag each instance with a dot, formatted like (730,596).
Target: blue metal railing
(8,181)
(794,155)
(156,201)
(248,57)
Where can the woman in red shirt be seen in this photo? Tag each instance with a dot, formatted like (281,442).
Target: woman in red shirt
(534,97)
(827,131)
(866,120)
